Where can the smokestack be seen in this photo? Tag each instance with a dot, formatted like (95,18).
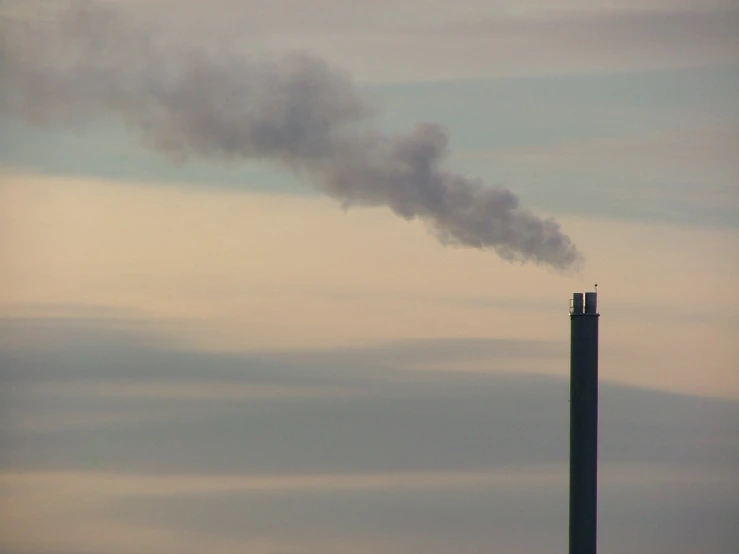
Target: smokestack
(583,423)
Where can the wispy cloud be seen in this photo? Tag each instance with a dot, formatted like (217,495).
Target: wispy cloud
(481,38)
(253,272)
(413,461)
(692,172)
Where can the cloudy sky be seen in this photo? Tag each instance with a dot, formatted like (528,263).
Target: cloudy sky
(292,277)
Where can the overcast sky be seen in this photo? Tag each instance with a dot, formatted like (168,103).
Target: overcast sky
(251,301)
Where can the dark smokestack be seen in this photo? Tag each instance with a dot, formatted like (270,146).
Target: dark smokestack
(583,423)
(77,61)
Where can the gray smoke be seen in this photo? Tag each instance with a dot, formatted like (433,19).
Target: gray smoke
(88,61)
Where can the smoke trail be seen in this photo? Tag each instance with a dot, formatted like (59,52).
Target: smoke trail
(87,61)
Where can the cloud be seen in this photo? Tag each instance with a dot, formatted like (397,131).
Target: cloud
(233,272)
(421,42)
(116,401)
(430,352)
(685,176)
(406,461)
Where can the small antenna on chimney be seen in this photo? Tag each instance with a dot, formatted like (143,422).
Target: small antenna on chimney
(596,287)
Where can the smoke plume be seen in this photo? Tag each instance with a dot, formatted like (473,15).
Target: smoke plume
(88,61)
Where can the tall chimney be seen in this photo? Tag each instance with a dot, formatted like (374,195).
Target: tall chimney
(583,422)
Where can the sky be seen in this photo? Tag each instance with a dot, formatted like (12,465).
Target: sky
(293,277)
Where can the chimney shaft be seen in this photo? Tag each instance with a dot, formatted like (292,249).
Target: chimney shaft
(583,423)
